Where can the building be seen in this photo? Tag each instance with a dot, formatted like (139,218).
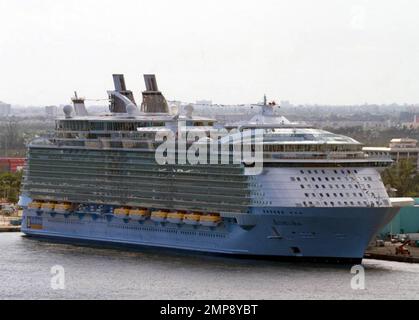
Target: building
(413,122)
(407,221)
(11,164)
(51,111)
(204,102)
(399,149)
(5,109)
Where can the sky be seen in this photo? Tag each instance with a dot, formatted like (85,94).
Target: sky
(304,51)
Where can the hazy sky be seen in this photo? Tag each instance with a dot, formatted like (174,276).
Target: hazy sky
(305,51)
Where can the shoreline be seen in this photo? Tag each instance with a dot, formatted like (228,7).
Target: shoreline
(376,253)
(9,229)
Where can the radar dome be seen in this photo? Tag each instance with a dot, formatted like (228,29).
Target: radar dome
(68,110)
(131,109)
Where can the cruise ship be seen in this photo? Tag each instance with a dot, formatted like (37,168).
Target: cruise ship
(96,179)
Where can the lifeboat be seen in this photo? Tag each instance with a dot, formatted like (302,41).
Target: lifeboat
(36,205)
(139,214)
(159,216)
(210,220)
(192,218)
(175,217)
(63,207)
(48,206)
(121,212)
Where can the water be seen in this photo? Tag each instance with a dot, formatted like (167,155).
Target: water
(103,273)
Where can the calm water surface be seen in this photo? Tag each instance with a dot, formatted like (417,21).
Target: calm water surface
(102,273)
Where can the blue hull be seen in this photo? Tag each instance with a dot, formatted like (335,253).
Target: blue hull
(302,233)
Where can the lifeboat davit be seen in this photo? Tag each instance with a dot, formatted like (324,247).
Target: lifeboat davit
(175,217)
(159,216)
(192,218)
(139,214)
(210,220)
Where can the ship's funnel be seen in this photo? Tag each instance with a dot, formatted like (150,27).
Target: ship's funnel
(153,100)
(79,106)
(117,104)
(150,82)
(119,82)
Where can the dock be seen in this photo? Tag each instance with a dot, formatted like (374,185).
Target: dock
(9,229)
(8,224)
(388,252)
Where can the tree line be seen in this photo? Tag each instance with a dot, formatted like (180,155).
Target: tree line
(402,178)
(10,186)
